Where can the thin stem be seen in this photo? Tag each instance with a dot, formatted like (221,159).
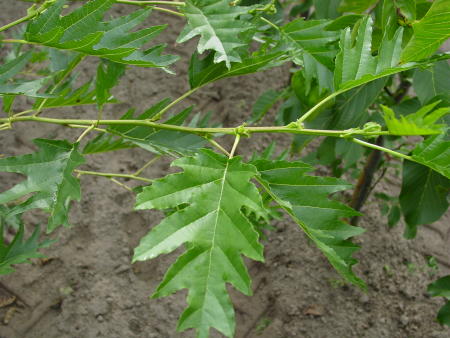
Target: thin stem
(235,144)
(166,10)
(87,127)
(87,131)
(112,175)
(146,3)
(123,185)
(32,12)
(193,130)
(386,150)
(173,103)
(218,146)
(24,42)
(148,164)
(305,116)
(270,23)
(64,75)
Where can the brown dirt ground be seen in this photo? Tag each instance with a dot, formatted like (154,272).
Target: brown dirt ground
(90,289)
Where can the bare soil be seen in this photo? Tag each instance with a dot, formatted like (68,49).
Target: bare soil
(89,288)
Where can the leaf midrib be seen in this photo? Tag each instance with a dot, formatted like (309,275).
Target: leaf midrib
(213,239)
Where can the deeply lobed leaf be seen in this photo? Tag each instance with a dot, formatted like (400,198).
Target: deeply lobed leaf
(219,26)
(49,180)
(429,32)
(305,198)
(209,195)
(83,31)
(19,250)
(422,122)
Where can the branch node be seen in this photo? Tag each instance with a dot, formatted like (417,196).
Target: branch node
(241,130)
(296,125)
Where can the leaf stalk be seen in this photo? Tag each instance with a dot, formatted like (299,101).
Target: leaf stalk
(112,175)
(386,150)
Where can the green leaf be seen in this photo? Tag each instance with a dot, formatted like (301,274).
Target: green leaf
(108,75)
(355,61)
(12,68)
(49,180)
(219,26)
(13,221)
(104,143)
(421,122)
(159,141)
(204,71)
(356,6)
(326,9)
(264,103)
(407,8)
(423,197)
(310,37)
(67,96)
(305,198)
(344,22)
(443,316)
(441,288)
(83,31)
(10,87)
(434,152)
(355,64)
(215,232)
(432,81)
(27,88)
(19,250)
(429,33)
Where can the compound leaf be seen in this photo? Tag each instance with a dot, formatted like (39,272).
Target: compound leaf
(213,190)
(19,250)
(429,32)
(423,198)
(49,180)
(219,26)
(83,31)
(305,198)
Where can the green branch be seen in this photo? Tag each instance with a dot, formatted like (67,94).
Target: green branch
(193,130)
(32,12)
